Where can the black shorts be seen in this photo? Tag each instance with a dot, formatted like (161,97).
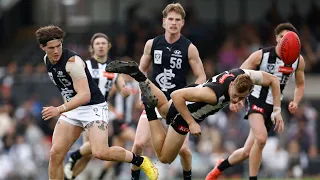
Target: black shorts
(118,126)
(255,105)
(177,121)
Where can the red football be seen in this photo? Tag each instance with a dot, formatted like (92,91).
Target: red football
(289,48)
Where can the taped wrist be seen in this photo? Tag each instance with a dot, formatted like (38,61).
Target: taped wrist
(151,114)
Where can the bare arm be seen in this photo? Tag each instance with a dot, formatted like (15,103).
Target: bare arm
(265,79)
(196,64)
(75,68)
(299,76)
(192,94)
(253,61)
(145,60)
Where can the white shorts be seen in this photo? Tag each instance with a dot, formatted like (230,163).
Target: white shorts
(144,114)
(83,115)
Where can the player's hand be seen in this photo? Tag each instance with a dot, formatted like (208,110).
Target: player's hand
(126,91)
(276,119)
(293,107)
(236,107)
(195,129)
(50,112)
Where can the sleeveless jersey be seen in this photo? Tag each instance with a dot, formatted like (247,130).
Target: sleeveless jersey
(59,76)
(103,79)
(170,63)
(220,85)
(271,63)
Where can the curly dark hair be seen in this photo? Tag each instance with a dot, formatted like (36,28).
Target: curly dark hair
(48,33)
(285,26)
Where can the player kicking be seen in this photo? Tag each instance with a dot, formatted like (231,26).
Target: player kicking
(85,107)
(189,106)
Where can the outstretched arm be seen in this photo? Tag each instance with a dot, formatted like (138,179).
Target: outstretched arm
(192,94)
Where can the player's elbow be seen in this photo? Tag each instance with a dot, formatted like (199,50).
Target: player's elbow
(86,97)
(274,80)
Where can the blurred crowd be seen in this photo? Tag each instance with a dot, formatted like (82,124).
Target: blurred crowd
(25,139)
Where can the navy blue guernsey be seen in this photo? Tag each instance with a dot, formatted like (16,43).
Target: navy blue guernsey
(220,85)
(59,76)
(170,64)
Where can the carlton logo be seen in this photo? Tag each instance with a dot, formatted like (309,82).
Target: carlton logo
(224,77)
(257,108)
(183,128)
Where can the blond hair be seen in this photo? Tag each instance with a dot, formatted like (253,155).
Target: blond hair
(176,7)
(243,83)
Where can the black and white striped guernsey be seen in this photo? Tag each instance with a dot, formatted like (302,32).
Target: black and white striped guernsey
(103,79)
(220,85)
(271,63)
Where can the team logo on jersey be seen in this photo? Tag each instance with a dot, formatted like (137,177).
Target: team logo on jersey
(95,73)
(270,68)
(163,79)
(157,56)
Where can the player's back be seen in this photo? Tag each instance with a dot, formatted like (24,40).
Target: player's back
(170,63)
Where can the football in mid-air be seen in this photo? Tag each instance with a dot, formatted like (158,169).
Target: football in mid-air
(289,48)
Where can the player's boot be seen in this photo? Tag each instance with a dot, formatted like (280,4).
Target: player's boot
(215,173)
(126,67)
(68,169)
(149,169)
(147,97)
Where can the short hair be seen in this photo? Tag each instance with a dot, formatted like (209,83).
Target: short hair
(284,26)
(48,33)
(176,7)
(94,37)
(243,83)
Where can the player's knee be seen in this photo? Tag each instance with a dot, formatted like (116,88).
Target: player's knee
(261,140)
(56,154)
(87,157)
(246,153)
(138,147)
(166,160)
(185,152)
(101,153)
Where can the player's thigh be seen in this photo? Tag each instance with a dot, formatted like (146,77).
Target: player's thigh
(172,144)
(257,125)
(85,136)
(98,134)
(143,133)
(185,144)
(64,135)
